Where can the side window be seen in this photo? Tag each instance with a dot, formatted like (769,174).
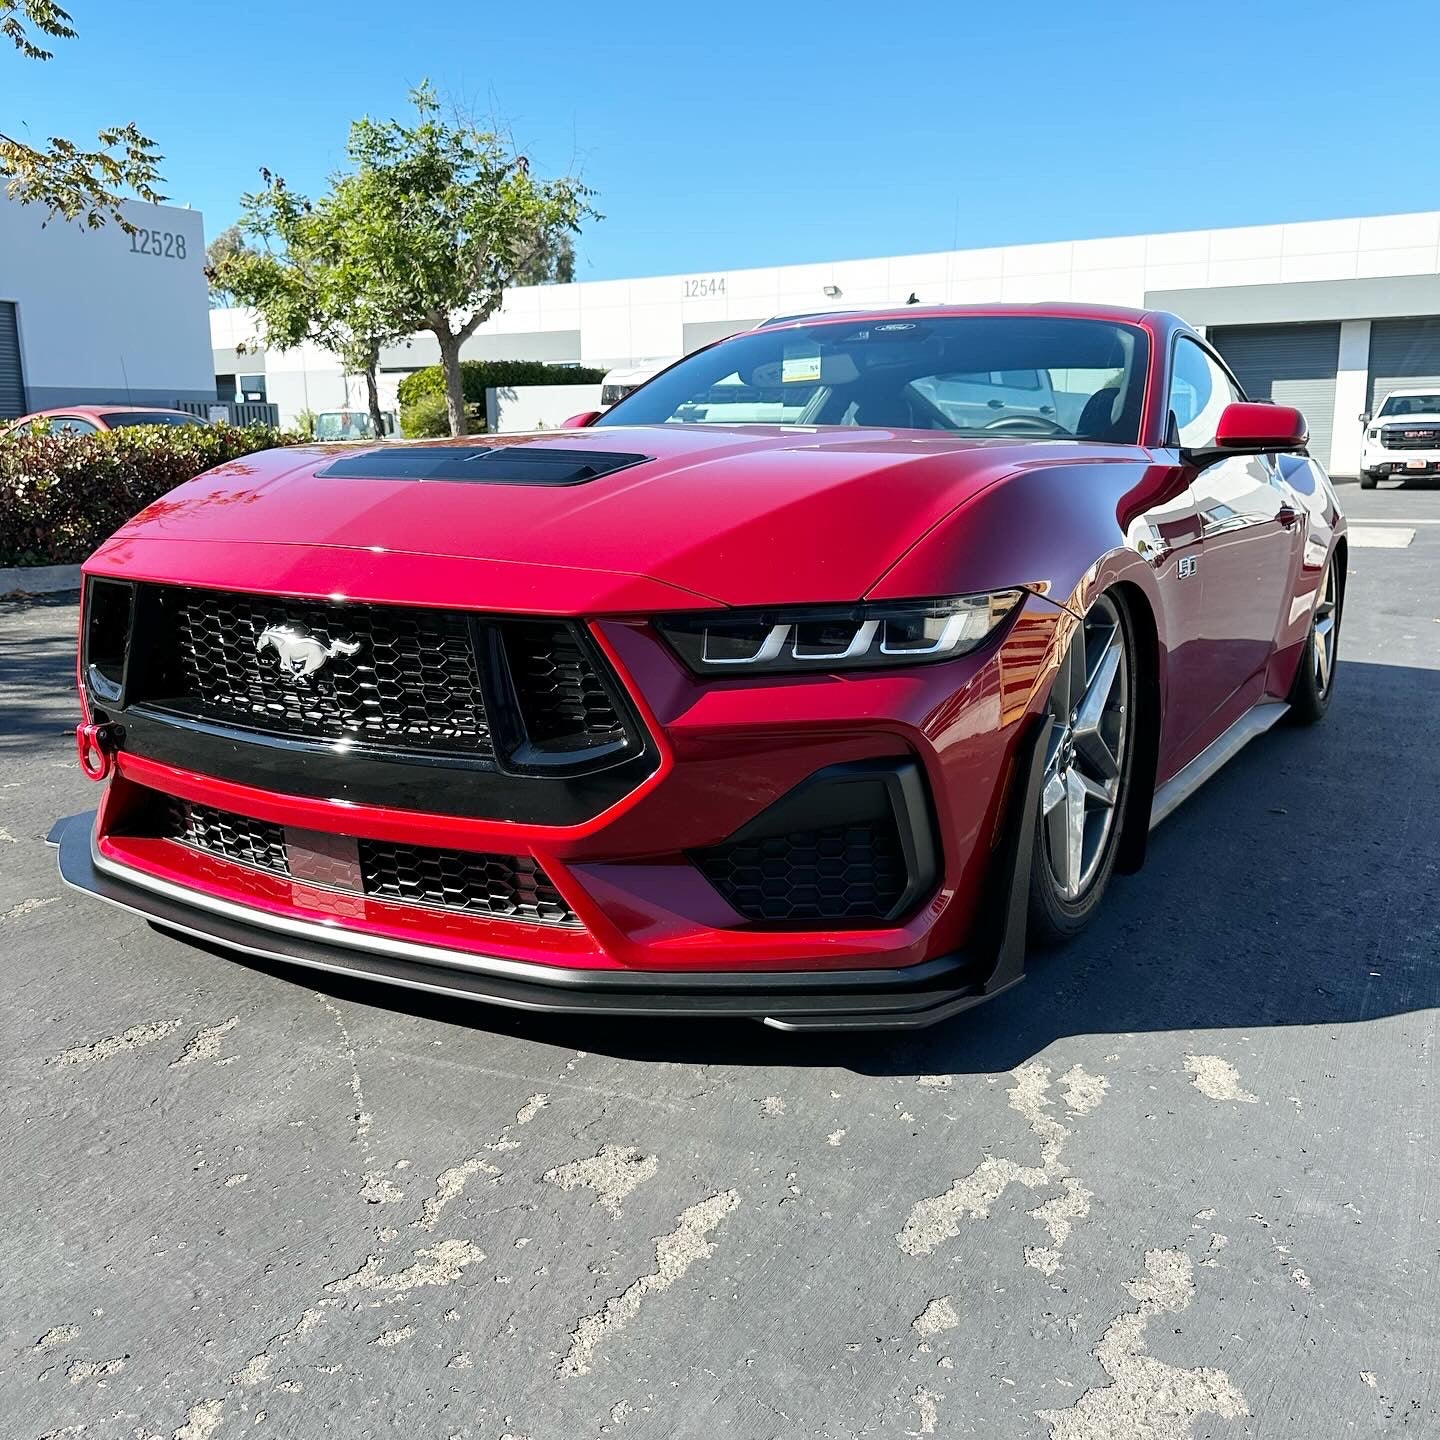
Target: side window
(1199,391)
(71,425)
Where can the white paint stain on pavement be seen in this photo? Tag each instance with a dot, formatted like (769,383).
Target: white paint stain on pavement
(927,1410)
(97,1370)
(1217,1079)
(58,1335)
(137,1037)
(25,907)
(612,1173)
(772,1107)
(675,1253)
(1082,1091)
(435,1265)
(939,1218)
(448,1186)
(203,1420)
(387,1339)
(937,1316)
(379,1189)
(204,1044)
(531,1108)
(1146,1396)
(360,1115)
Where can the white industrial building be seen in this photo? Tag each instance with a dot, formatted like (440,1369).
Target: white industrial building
(1322,314)
(100,316)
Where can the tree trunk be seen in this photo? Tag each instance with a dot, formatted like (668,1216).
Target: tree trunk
(454,382)
(372,394)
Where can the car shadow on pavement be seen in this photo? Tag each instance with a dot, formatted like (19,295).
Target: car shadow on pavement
(37,666)
(1294,889)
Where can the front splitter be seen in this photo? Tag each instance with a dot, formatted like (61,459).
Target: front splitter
(908,998)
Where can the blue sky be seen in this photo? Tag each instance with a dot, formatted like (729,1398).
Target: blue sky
(726,136)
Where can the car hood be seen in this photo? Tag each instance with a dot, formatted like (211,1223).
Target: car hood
(735,516)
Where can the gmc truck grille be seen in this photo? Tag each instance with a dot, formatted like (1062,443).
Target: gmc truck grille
(1410,437)
(505,887)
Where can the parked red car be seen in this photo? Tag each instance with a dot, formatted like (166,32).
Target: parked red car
(87,419)
(805,683)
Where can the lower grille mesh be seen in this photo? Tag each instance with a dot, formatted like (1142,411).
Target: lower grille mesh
(506,887)
(850,872)
(511,887)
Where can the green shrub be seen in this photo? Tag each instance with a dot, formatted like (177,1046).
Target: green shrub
(425,418)
(61,495)
(476,377)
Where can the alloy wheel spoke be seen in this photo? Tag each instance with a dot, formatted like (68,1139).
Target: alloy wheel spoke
(1090,741)
(1074,832)
(1102,792)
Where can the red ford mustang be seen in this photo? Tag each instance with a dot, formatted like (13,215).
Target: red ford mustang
(808,682)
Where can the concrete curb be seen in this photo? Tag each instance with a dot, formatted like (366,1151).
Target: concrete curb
(39,580)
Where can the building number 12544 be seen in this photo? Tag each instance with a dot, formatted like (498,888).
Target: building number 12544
(703,289)
(162,244)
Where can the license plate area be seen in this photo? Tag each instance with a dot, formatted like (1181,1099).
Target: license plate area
(331,861)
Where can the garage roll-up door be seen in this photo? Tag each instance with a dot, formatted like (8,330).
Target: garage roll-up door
(1404,355)
(12,381)
(1291,365)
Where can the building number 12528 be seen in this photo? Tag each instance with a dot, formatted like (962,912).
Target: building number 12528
(162,244)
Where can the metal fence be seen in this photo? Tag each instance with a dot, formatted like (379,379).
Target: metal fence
(242,412)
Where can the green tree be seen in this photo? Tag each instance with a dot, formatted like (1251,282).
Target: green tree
(68,180)
(302,283)
(438,217)
(230,241)
(552,264)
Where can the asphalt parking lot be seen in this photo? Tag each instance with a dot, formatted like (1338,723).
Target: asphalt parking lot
(1181,1183)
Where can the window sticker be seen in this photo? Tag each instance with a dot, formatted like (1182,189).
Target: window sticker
(800,367)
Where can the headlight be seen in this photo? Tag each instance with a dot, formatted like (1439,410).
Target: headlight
(837,637)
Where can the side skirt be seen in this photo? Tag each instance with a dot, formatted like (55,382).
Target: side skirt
(1180,787)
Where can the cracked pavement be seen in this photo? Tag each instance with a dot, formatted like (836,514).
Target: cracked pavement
(1181,1184)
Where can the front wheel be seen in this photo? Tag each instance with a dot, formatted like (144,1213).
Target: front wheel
(1088,760)
(1315,679)
(1368,479)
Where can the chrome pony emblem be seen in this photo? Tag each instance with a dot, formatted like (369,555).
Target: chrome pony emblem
(300,654)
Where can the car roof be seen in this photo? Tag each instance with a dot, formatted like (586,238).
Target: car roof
(1068,309)
(1422,390)
(96,410)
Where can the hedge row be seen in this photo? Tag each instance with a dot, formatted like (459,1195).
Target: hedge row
(61,495)
(422,394)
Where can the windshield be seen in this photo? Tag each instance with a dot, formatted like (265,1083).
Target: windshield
(349,425)
(119,419)
(1411,405)
(990,375)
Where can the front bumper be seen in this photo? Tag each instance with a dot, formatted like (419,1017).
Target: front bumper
(1376,460)
(910,997)
(631,920)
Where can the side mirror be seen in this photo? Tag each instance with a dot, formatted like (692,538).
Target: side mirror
(583,419)
(1247,428)
(1364,417)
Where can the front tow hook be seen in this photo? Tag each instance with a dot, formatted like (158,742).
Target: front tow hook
(96,746)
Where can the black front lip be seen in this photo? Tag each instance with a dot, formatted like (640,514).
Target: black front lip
(916,996)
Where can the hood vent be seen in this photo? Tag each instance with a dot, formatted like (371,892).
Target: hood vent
(482,465)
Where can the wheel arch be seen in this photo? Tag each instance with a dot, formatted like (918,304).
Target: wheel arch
(1135,821)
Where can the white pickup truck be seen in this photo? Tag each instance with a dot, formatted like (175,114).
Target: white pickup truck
(1402,438)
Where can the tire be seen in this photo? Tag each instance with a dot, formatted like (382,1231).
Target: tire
(1368,479)
(1066,882)
(1314,681)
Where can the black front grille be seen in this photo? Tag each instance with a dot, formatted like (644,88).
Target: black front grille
(854,872)
(386,676)
(565,702)
(1406,437)
(382,678)
(508,887)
